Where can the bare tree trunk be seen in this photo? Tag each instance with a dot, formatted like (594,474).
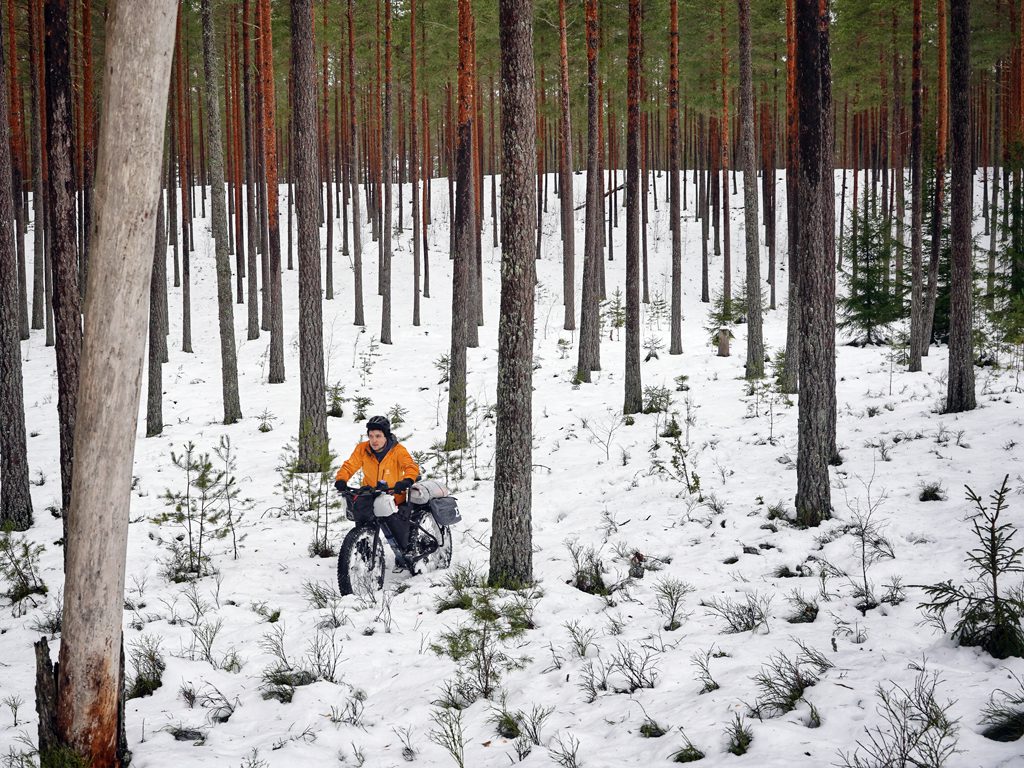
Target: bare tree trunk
(465,240)
(511,535)
(755,341)
(676,343)
(633,400)
(590,325)
(15,495)
(565,181)
(312,402)
(219,225)
(817,279)
(66,294)
(960,391)
(140,35)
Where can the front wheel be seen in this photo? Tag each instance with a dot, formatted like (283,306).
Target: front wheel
(361,562)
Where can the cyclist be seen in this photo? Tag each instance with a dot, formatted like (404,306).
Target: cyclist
(384,462)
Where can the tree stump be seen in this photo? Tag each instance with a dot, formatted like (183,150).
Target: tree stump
(723,342)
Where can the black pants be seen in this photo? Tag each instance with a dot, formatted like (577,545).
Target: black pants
(399,525)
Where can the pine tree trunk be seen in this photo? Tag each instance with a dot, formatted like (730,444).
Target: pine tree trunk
(897,117)
(511,538)
(140,35)
(219,225)
(565,180)
(15,496)
(817,278)
(590,330)
(312,387)
(66,295)
(755,341)
(829,211)
(726,149)
(184,159)
(473,277)
(426,189)
(675,224)
(414,167)
(357,242)
(768,187)
(465,246)
(940,184)
(157,340)
(960,391)
(41,311)
(916,199)
(16,153)
(997,156)
(791,367)
(387,172)
(705,208)
(253,226)
(633,399)
(276,372)
(235,99)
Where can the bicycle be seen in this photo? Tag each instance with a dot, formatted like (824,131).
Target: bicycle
(361,562)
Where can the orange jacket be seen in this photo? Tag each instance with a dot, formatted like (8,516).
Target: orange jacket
(396,465)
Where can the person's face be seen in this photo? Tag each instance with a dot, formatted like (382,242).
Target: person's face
(377,439)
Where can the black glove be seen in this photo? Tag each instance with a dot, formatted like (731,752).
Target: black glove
(366,489)
(342,487)
(403,485)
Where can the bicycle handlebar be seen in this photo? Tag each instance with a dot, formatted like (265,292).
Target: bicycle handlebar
(349,491)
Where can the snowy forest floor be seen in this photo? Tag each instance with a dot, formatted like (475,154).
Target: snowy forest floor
(721,542)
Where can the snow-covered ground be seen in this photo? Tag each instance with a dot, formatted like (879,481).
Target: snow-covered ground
(742,446)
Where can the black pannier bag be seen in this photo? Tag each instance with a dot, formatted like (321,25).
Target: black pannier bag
(445,510)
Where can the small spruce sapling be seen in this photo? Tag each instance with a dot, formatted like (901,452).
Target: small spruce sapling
(614,314)
(19,571)
(990,613)
(336,400)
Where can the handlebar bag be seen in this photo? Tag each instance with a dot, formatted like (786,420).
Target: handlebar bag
(445,510)
(360,510)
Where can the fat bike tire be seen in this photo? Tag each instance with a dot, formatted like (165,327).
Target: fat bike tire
(361,562)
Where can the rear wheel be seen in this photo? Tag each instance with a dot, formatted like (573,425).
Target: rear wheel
(435,542)
(361,562)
